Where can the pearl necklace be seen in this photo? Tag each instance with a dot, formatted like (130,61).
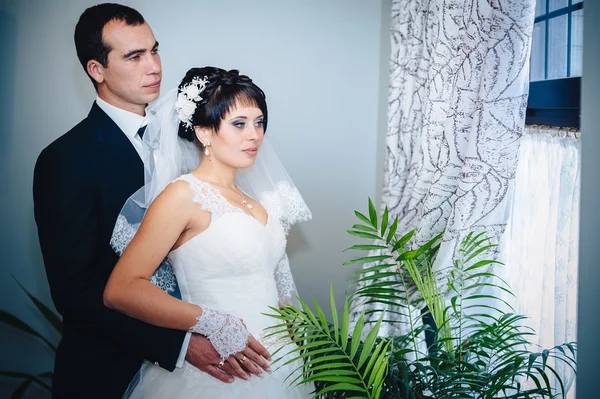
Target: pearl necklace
(241,196)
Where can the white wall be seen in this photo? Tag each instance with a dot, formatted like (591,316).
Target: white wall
(323,65)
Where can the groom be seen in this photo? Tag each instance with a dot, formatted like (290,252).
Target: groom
(81,181)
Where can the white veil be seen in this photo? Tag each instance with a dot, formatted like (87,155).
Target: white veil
(166,156)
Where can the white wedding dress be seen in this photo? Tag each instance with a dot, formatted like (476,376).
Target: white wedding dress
(231,267)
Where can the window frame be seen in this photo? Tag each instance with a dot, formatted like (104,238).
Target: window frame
(555,102)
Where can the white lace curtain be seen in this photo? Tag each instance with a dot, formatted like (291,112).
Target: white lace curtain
(542,236)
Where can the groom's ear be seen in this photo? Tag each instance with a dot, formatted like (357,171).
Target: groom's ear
(202,133)
(95,70)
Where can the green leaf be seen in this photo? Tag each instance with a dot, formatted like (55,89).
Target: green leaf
(483,263)
(375,355)
(335,378)
(49,315)
(379,377)
(322,318)
(392,231)
(369,342)
(334,315)
(380,366)
(470,242)
(362,217)
(27,376)
(384,221)
(453,301)
(340,387)
(328,358)
(377,276)
(407,255)
(367,259)
(372,213)
(309,354)
(367,247)
(403,240)
(309,313)
(429,244)
(363,234)
(345,326)
(374,269)
(544,358)
(20,391)
(545,378)
(333,367)
(480,250)
(365,228)
(14,322)
(356,335)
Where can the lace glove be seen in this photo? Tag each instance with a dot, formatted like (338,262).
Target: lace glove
(227,333)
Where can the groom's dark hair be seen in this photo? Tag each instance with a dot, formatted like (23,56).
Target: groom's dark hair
(88,31)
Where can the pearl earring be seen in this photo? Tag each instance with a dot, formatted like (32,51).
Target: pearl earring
(206,148)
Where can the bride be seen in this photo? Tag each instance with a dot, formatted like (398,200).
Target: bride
(223,231)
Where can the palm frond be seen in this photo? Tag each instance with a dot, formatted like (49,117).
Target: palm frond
(335,359)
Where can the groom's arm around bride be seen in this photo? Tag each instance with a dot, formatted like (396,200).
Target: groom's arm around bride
(81,181)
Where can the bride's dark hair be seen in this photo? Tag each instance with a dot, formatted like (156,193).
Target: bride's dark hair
(224,90)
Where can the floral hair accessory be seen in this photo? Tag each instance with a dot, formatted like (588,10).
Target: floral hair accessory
(188,98)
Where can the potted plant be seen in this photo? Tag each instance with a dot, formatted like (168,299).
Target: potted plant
(479,350)
(27,379)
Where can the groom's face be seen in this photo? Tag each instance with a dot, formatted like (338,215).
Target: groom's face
(133,73)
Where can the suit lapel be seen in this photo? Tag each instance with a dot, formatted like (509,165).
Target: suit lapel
(110,135)
(120,150)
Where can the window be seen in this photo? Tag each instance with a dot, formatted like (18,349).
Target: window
(556,59)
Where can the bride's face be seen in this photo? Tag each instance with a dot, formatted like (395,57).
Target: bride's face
(239,137)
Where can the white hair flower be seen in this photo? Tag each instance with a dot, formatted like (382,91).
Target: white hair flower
(192,92)
(187,99)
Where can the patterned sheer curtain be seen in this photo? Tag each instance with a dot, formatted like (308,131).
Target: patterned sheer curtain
(542,236)
(459,159)
(459,78)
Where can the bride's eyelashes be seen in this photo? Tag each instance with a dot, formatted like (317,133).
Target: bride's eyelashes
(240,124)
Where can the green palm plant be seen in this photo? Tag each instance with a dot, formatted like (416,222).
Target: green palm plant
(480,350)
(28,379)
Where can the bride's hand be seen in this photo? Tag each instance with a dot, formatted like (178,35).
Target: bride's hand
(253,358)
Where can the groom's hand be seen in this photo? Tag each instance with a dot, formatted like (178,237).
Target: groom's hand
(203,356)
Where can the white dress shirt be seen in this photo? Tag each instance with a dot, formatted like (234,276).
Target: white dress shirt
(130,123)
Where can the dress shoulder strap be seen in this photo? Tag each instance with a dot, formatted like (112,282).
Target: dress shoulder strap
(207,196)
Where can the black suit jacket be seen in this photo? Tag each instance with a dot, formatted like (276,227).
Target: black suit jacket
(81,181)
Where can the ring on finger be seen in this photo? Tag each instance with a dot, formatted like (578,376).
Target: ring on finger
(221,363)
(243,359)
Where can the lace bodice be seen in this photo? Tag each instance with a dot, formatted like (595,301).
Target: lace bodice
(231,265)
(209,198)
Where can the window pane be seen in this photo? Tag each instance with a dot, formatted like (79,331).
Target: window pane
(556,4)
(538,51)
(540,7)
(577,1)
(557,47)
(576,42)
